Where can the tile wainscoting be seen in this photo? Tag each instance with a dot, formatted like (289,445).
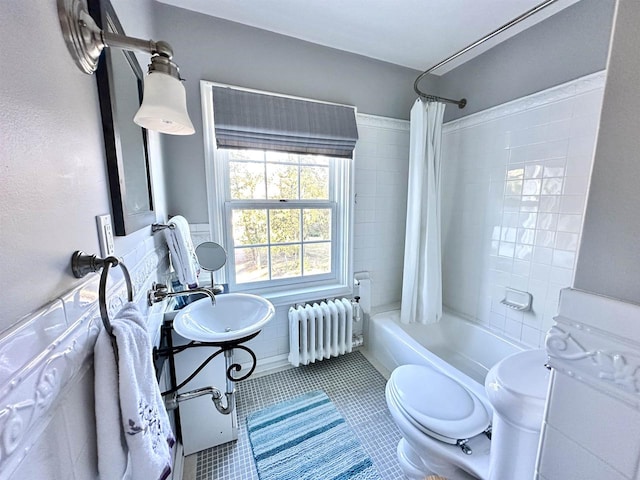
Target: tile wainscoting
(381,178)
(47,416)
(592,421)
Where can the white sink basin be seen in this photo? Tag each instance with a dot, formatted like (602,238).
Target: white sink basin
(234,316)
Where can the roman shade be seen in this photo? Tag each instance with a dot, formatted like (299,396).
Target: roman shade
(246,119)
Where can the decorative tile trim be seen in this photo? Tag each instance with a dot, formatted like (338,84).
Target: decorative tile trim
(382,122)
(554,94)
(32,394)
(30,400)
(585,344)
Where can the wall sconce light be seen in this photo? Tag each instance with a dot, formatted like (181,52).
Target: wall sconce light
(164,103)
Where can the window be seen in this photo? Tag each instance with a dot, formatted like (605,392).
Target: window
(283,217)
(280,212)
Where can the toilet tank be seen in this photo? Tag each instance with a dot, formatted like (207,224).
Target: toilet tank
(517,389)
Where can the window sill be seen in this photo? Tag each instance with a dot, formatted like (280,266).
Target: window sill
(303,294)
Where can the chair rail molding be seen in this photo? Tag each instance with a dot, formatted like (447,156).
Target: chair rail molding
(596,341)
(49,351)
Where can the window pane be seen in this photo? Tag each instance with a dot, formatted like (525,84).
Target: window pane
(252,264)
(249,227)
(314,182)
(246,180)
(314,160)
(237,154)
(316,224)
(282,157)
(285,261)
(282,181)
(317,258)
(285,225)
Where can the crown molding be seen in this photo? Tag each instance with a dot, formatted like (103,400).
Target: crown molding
(365,120)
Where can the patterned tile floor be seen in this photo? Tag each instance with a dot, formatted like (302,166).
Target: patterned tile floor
(355,387)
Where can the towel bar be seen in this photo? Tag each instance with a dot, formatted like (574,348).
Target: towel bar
(82,264)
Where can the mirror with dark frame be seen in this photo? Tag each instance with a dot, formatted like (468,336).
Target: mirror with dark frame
(120,84)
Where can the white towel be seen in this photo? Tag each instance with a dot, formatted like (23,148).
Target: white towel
(183,255)
(134,434)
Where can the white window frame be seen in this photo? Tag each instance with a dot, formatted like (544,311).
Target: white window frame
(340,282)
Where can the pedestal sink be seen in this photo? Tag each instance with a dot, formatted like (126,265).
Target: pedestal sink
(234,316)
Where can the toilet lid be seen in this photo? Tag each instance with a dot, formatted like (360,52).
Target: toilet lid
(438,403)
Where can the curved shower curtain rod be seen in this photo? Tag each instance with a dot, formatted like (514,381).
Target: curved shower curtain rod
(463,102)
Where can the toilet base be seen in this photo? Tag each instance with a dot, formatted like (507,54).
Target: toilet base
(418,467)
(410,462)
(422,455)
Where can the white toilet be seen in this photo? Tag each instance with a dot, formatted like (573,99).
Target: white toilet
(450,431)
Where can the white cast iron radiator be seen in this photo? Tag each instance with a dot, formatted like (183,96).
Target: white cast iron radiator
(320,331)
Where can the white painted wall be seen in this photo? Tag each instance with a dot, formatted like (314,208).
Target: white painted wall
(515,180)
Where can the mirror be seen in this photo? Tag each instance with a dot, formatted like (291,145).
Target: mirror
(211,256)
(120,84)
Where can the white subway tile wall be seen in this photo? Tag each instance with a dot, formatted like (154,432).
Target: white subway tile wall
(515,181)
(381,170)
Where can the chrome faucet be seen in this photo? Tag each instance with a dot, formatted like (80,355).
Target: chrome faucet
(159,292)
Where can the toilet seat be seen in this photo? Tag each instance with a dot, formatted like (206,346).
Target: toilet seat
(436,404)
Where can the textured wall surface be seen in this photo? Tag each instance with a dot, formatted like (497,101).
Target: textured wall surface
(609,260)
(566,46)
(54,179)
(52,160)
(53,182)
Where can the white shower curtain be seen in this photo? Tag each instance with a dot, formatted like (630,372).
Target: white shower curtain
(422,278)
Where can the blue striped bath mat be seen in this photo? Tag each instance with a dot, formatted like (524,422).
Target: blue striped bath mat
(307,439)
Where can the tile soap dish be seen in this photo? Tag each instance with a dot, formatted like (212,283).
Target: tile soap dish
(517,300)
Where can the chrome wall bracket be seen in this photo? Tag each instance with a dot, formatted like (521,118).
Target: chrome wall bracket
(81,34)
(85,40)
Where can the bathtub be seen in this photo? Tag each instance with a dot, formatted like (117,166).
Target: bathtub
(459,348)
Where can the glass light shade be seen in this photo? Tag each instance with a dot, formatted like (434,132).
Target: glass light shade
(164,106)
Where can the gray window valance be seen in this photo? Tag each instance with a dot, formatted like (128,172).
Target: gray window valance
(260,121)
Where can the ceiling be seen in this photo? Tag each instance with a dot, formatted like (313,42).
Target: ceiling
(412,33)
